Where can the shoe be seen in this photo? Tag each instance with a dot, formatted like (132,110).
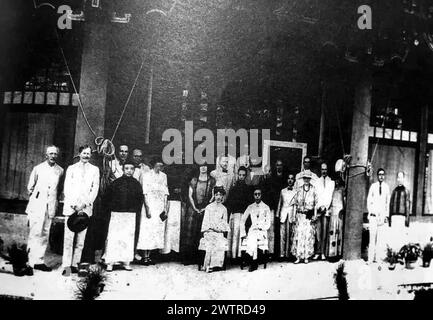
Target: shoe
(127,268)
(66,272)
(83,273)
(150,262)
(252,268)
(297,261)
(316,257)
(306,261)
(109,268)
(25,271)
(74,270)
(42,267)
(137,257)
(322,257)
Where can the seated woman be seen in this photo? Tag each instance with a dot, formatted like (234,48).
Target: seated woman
(257,238)
(214,229)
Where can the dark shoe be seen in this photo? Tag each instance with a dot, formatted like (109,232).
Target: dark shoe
(252,268)
(83,273)
(66,272)
(74,270)
(42,267)
(150,262)
(25,271)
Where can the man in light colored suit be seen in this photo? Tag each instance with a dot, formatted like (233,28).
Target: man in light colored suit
(81,188)
(325,188)
(378,201)
(42,188)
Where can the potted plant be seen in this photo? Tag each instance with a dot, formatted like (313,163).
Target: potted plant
(410,253)
(427,254)
(391,257)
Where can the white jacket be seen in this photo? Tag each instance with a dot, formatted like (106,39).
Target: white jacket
(378,204)
(80,189)
(325,188)
(42,187)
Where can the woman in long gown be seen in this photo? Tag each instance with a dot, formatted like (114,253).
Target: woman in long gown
(214,229)
(303,235)
(154,212)
(335,233)
(200,193)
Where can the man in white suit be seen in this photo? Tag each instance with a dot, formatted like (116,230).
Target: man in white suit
(81,188)
(42,188)
(325,188)
(378,201)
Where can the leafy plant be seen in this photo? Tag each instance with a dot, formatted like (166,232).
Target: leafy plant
(410,252)
(341,282)
(91,286)
(392,257)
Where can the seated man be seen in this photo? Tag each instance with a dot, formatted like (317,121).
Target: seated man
(125,199)
(257,238)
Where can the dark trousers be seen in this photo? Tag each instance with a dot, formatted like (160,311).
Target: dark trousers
(321,232)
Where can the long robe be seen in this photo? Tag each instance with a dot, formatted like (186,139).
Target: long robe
(214,243)
(304,234)
(191,225)
(152,229)
(257,237)
(238,201)
(335,232)
(124,198)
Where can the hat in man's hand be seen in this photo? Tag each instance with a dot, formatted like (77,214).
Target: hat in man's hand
(78,221)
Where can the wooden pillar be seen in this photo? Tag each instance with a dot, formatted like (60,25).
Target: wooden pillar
(93,83)
(422,150)
(357,185)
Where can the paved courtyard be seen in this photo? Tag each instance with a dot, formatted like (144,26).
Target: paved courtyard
(172,280)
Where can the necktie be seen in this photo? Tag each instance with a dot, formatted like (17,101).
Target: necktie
(380,188)
(324,182)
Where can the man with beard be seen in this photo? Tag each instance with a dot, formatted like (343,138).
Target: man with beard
(43,191)
(240,198)
(116,164)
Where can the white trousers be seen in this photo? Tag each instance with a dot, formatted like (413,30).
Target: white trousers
(72,250)
(375,245)
(38,237)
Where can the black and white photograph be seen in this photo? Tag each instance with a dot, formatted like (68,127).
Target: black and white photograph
(216,150)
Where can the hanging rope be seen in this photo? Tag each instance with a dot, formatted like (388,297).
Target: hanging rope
(104,147)
(73,85)
(129,98)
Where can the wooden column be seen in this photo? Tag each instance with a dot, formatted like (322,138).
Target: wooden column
(93,82)
(357,185)
(422,150)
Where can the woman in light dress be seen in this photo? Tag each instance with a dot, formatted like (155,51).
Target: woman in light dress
(214,229)
(154,212)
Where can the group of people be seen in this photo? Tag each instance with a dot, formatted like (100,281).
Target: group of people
(231,215)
